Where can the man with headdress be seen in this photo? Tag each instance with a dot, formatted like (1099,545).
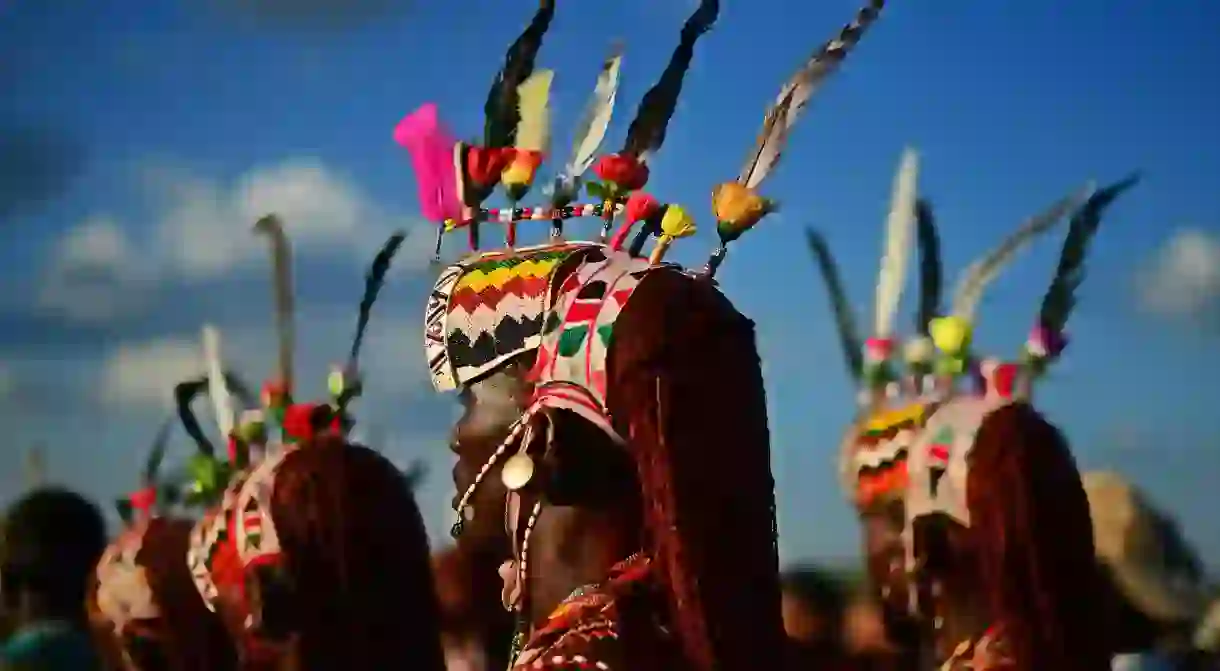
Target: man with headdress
(328,552)
(476,628)
(634,543)
(999,533)
(945,459)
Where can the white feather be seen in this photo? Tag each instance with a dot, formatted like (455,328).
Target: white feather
(900,228)
(596,121)
(222,401)
(980,274)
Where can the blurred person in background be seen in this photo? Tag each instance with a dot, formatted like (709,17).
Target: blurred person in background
(476,629)
(864,631)
(1154,577)
(814,603)
(53,539)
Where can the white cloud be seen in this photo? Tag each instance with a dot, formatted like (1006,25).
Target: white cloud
(205,231)
(1183,279)
(142,374)
(94,274)
(202,232)
(98,242)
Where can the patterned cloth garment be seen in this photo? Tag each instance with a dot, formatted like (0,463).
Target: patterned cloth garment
(123,592)
(586,631)
(986,653)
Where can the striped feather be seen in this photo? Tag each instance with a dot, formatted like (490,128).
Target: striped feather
(900,225)
(797,92)
(975,279)
(596,121)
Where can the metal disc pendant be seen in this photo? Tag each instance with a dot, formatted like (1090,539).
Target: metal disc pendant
(517,472)
(455,531)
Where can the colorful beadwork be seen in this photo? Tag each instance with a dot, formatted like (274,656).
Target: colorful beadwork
(487,309)
(875,456)
(570,371)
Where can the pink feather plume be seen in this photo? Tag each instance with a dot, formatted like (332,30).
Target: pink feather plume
(431,147)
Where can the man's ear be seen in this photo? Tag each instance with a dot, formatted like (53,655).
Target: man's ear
(583,466)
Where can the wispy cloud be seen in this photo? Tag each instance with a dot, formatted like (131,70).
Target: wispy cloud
(106,268)
(1182,280)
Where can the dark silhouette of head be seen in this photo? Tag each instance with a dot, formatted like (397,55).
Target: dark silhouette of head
(53,539)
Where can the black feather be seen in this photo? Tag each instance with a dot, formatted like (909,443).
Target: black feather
(123,508)
(931,280)
(185,393)
(501,109)
(646,133)
(845,318)
(153,464)
(373,281)
(1060,297)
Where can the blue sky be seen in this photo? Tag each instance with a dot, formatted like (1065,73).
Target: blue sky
(139,140)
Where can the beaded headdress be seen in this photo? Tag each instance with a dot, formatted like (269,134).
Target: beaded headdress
(898,397)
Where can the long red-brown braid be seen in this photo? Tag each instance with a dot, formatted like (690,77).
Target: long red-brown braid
(1033,537)
(355,547)
(193,637)
(685,387)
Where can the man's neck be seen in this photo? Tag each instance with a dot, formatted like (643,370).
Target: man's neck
(582,558)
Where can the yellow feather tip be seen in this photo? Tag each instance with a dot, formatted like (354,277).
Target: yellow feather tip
(677,223)
(534,96)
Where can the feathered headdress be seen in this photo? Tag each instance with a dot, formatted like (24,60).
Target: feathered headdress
(952,333)
(869,362)
(209,474)
(515,135)
(1048,338)
(737,205)
(152,493)
(301,421)
(515,163)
